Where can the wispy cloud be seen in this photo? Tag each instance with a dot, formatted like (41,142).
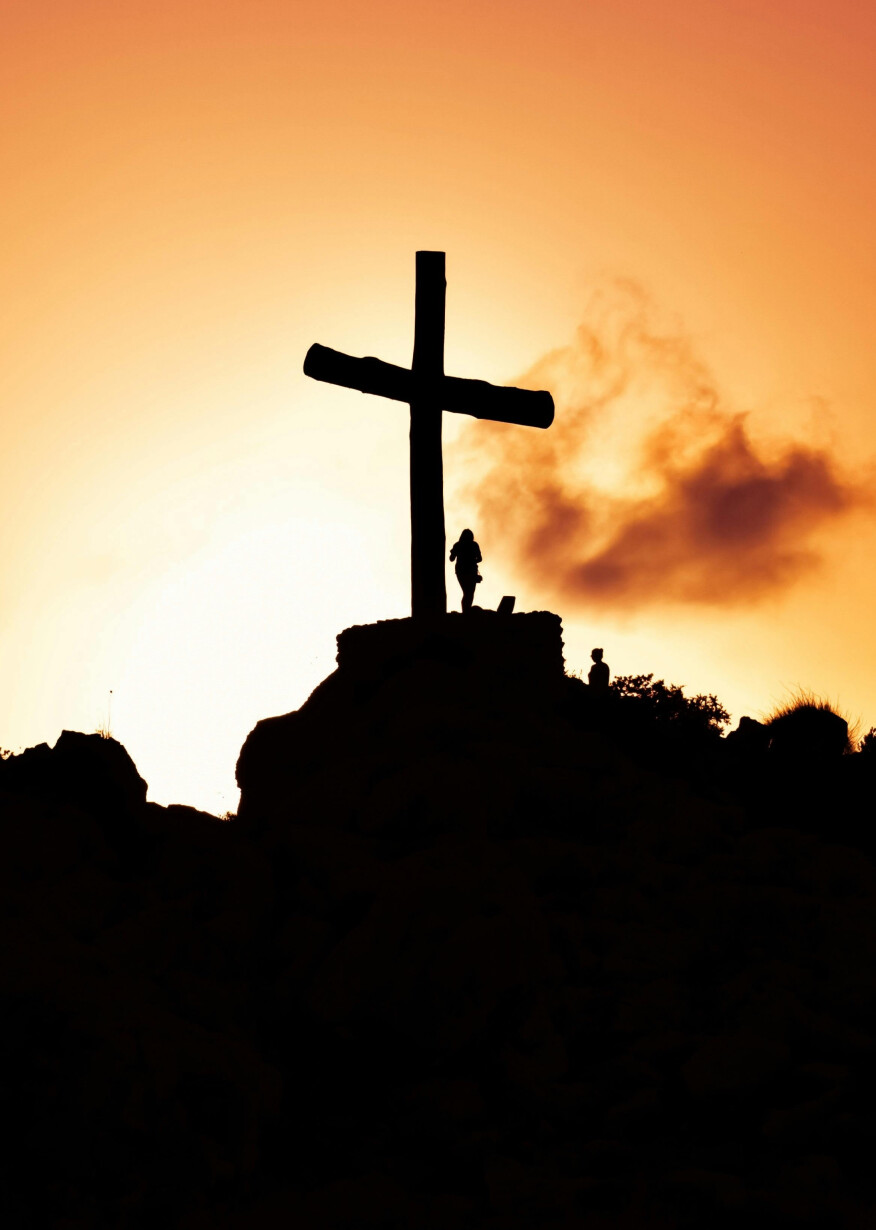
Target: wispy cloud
(649,489)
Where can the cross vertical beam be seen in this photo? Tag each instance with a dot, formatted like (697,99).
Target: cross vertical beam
(428,544)
(428,392)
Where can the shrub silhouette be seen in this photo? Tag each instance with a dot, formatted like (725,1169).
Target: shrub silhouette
(867,746)
(665,705)
(809,728)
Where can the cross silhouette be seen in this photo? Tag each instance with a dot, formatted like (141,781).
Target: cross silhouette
(428,392)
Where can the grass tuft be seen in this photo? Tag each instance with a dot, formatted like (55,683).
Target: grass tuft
(803,700)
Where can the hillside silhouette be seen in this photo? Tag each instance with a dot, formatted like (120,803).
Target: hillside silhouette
(483,947)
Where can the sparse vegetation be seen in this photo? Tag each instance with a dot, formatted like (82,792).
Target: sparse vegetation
(867,745)
(813,724)
(667,705)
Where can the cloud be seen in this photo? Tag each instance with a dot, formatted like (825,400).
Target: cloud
(648,489)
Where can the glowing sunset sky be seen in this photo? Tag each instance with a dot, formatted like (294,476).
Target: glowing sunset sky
(196,192)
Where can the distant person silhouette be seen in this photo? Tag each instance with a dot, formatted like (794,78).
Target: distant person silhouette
(599,673)
(467,554)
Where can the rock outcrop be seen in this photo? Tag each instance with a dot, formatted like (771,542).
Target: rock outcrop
(86,771)
(419,695)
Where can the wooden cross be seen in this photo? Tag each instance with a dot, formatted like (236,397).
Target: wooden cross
(428,391)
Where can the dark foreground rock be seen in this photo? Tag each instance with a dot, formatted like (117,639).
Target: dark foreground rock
(461,962)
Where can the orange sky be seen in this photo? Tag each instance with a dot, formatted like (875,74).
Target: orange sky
(193,193)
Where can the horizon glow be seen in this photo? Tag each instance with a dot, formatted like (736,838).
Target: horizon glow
(196,193)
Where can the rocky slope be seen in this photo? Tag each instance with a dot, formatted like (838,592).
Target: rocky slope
(467,957)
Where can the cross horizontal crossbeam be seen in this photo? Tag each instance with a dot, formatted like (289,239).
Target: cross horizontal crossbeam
(478,398)
(429,392)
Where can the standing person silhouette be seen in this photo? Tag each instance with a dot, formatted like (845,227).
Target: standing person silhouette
(599,674)
(467,554)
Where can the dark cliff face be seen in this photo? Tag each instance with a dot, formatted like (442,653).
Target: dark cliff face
(435,714)
(461,961)
(131,1081)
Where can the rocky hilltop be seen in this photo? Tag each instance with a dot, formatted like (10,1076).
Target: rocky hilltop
(472,954)
(436,701)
